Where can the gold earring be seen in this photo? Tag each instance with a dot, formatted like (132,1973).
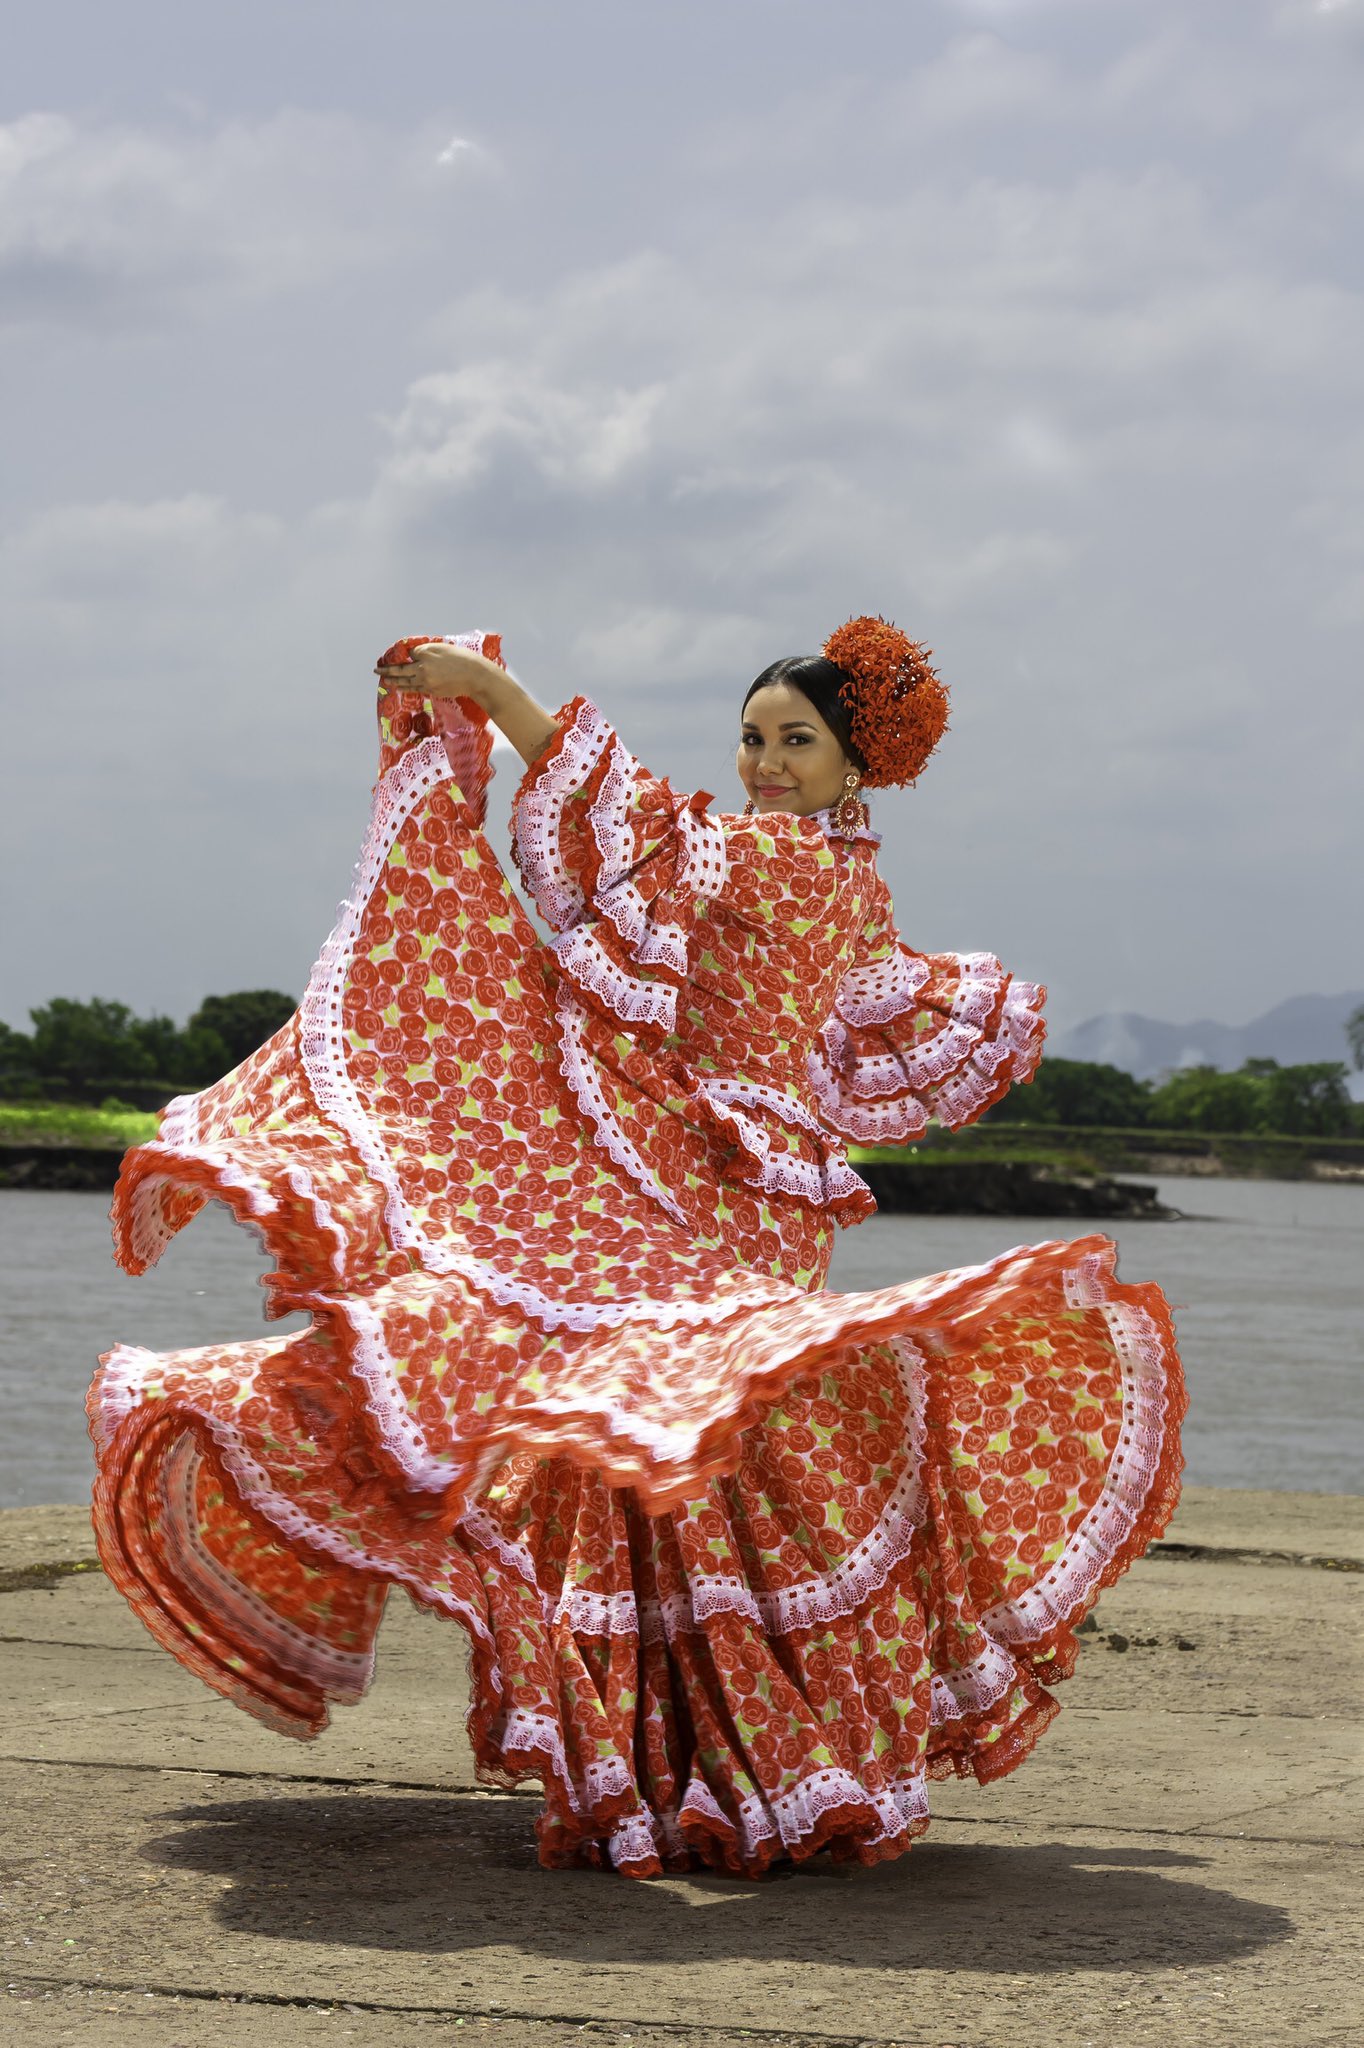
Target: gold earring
(850,813)
(750,808)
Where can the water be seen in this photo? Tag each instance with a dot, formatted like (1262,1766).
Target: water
(1266,1286)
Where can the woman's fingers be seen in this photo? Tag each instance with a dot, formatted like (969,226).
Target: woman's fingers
(435,668)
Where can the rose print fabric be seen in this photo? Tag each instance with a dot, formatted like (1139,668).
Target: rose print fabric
(743,1563)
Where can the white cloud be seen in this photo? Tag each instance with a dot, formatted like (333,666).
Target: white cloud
(135,223)
(1045,345)
(460,426)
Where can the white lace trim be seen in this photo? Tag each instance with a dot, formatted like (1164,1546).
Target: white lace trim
(301,1181)
(698,1798)
(920,1068)
(148,1232)
(652,943)
(399,1431)
(323,1052)
(883,1123)
(814,1181)
(632,998)
(790,1815)
(972,1688)
(887,1097)
(579,1069)
(1071,1583)
(825,1596)
(180,1120)
(982,978)
(344,1675)
(482,1528)
(634,1840)
(468,747)
(596,1614)
(881,989)
(538,817)
(793,1815)
(521,1732)
(124,1376)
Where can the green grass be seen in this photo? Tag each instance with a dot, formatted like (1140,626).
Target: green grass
(71,1123)
(1094,1149)
(1035,1152)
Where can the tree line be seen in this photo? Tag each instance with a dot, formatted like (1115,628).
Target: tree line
(91,1052)
(97,1051)
(1307,1101)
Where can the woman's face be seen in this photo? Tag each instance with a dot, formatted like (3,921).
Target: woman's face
(789,759)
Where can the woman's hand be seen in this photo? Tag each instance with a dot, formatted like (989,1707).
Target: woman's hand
(436,669)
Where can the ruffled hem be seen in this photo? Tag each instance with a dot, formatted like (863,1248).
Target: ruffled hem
(599,1409)
(1138,1496)
(987,1714)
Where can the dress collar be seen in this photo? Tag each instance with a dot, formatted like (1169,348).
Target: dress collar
(829,826)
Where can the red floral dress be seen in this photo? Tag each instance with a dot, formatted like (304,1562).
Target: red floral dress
(743,1563)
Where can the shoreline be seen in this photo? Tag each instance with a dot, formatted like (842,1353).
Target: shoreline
(959,1187)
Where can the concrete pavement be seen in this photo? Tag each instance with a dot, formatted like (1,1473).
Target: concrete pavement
(1180,1861)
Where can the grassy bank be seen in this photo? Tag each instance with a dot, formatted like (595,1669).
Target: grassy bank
(1088,1150)
(1060,1149)
(71,1123)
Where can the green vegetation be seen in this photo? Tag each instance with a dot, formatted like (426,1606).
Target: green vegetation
(1260,1098)
(1087,1150)
(85,1053)
(69,1123)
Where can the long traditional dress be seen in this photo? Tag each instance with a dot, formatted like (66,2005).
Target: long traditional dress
(743,1563)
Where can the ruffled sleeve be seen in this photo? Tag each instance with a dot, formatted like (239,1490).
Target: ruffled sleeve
(920,1035)
(618,865)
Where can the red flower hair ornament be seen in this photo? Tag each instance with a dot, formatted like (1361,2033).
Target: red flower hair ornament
(896,702)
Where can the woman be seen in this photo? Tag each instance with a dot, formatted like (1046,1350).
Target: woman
(743,1563)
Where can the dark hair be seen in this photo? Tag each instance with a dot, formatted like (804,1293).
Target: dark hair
(823,682)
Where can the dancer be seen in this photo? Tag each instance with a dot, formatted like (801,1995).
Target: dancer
(743,1563)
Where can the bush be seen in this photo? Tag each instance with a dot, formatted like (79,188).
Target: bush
(1309,1101)
(1263,1098)
(1083,1092)
(90,1051)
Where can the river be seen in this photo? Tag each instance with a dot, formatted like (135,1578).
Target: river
(1265,1277)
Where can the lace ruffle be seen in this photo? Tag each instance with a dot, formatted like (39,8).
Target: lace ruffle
(824,1181)
(878,1076)
(617,864)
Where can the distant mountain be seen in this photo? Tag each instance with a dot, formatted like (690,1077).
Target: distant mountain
(1301,1029)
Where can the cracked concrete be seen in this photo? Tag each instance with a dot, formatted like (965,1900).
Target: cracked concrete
(1179,1862)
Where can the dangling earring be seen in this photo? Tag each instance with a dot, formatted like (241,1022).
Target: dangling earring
(750,808)
(850,813)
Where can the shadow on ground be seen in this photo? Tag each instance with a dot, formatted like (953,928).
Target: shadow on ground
(438,1876)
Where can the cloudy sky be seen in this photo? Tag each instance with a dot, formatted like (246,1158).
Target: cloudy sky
(663,337)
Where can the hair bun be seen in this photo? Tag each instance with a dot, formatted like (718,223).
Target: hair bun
(897,703)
